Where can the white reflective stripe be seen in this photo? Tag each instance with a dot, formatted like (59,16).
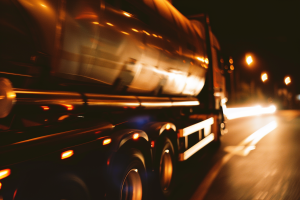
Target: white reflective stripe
(186,103)
(196,127)
(202,143)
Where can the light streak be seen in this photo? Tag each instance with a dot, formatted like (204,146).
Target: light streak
(233,113)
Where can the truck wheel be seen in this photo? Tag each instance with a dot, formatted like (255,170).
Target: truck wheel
(166,167)
(129,177)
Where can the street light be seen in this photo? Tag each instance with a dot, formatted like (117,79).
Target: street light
(249,60)
(264,77)
(287,80)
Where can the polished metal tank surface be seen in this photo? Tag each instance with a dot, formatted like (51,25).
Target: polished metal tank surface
(132,47)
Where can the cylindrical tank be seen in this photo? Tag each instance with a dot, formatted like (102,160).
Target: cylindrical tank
(135,47)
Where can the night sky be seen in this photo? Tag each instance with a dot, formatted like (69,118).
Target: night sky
(268,29)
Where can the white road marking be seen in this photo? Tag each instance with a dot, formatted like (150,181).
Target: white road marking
(249,143)
(252,140)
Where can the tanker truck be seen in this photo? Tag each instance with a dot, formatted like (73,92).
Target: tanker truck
(101,99)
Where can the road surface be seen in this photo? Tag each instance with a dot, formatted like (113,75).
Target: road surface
(259,158)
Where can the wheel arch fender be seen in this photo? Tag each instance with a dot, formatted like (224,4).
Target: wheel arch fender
(155,129)
(158,130)
(127,138)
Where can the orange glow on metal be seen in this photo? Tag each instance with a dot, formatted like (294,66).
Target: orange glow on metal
(168,126)
(0,185)
(231,67)
(200,59)
(152,144)
(4,173)
(63,117)
(106,141)
(68,106)
(154,35)
(134,30)
(160,37)
(109,24)
(249,60)
(11,95)
(126,14)
(146,32)
(124,32)
(264,77)
(67,154)
(287,80)
(95,22)
(230,61)
(45,107)
(206,60)
(136,136)
(87,16)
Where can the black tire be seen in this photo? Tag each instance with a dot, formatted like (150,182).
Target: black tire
(129,176)
(166,167)
(67,186)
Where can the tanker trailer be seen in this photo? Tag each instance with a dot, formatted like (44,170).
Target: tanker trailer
(103,98)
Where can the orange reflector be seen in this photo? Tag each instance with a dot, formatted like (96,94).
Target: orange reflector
(152,144)
(68,106)
(4,173)
(136,136)
(45,107)
(67,154)
(168,126)
(106,141)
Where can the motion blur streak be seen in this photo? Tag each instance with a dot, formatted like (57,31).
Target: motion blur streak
(212,174)
(233,113)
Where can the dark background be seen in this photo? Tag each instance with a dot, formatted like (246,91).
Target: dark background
(270,30)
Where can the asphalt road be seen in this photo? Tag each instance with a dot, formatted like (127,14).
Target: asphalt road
(259,158)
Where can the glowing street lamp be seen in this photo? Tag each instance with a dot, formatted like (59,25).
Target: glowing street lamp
(249,60)
(264,77)
(287,80)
